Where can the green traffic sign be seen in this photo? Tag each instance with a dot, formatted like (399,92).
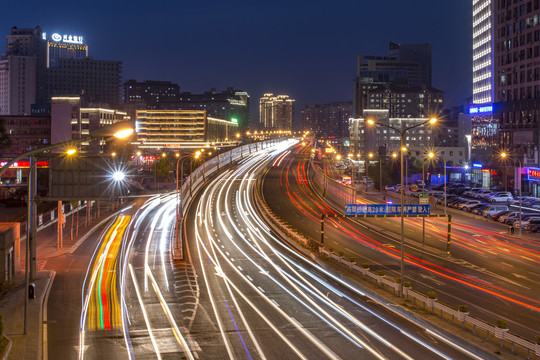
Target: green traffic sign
(423,195)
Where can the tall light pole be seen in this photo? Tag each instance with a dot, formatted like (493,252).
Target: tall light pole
(120,130)
(504,156)
(370,156)
(431,155)
(401,133)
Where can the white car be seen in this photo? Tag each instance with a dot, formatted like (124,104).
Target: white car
(479,194)
(501,197)
(468,204)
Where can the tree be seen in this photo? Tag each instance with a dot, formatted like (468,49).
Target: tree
(162,169)
(5,140)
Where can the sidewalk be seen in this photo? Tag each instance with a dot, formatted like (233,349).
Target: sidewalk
(32,345)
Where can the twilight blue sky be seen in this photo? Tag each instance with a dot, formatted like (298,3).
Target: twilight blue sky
(304,48)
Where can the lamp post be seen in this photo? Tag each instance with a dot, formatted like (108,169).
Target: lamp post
(431,155)
(370,156)
(401,133)
(504,156)
(120,130)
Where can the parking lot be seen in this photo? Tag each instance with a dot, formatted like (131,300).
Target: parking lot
(499,206)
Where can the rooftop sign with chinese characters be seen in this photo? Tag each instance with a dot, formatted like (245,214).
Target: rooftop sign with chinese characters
(408,210)
(70,39)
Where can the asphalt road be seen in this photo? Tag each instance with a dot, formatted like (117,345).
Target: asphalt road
(240,293)
(259,298)
(491,272)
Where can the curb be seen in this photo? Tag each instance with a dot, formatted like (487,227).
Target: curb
(8,348)
(43,323)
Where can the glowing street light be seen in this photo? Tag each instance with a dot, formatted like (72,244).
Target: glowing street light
(118,176)
(71,151)
(504,156)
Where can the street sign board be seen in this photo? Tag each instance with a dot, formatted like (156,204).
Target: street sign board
(379,209)
(80,178)
(423,198)
(414,187)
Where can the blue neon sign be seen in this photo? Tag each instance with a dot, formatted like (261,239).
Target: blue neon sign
(480,109)
(477,165)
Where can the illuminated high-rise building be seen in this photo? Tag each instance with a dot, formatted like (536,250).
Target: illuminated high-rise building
(65,47)
(22,71)
(482,52)
(276,112)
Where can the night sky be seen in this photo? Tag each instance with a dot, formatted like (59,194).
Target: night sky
(306,49)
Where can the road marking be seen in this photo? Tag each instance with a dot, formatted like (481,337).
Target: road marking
(249,278)
(239,268)
(275,302)
(232,259)
(260,288)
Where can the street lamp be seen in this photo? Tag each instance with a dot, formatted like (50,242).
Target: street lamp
(445,181)
(120,130)
(504,156)
(401,133)
(431,155)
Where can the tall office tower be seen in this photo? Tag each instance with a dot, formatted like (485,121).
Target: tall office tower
(21,45)
(485,128)
(98,81)
(406,65)
(327,120)
(276,112)
(482,52)
(311,118)
(17,85)
(150,92)
(517,78)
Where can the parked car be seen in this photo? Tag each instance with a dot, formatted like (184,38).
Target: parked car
(480,193)
(467,204)
(472,191)
(501,197)
(462,191)
(503,218)
(496,216)
(511,219)
(525,221)
(494,209)
(477,210)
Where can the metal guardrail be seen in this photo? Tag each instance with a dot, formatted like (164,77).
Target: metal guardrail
(208,168)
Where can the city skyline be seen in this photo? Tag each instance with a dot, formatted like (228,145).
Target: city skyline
(306,50)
